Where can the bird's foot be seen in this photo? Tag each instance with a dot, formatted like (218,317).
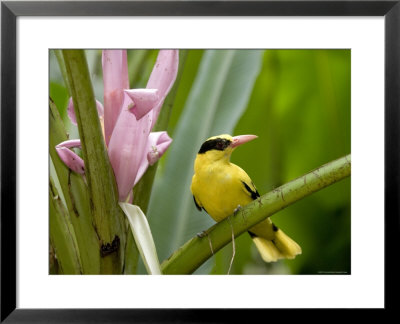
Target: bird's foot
(233,240)
(202,234)
(237,209)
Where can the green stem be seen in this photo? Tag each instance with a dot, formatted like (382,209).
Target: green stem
(62,235)
(137,62)
(196,251)
(63,69)
(76,197)
(131,254)
(163,118)
(107,216)
(53,264)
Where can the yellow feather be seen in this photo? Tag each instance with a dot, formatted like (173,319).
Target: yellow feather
(267,249)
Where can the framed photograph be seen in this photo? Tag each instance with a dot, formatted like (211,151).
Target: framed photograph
(87,212)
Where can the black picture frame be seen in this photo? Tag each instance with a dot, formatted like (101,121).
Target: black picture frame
(11,10)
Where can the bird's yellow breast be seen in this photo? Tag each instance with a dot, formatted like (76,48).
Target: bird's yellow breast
(218,188)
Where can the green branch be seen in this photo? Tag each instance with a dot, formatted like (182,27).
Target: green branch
(196,251)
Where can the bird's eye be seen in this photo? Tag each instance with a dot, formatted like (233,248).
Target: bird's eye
(214,144)
(220,145)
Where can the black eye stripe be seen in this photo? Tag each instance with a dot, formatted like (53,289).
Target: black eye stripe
(219,144)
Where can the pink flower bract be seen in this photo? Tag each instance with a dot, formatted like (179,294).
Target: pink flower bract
(129,116)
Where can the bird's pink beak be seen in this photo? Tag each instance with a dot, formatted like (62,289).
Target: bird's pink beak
(241,139)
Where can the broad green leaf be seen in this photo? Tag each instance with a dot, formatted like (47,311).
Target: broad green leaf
(218,98)
(189,73)
(143,238)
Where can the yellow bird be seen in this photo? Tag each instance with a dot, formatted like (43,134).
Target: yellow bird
(221,187)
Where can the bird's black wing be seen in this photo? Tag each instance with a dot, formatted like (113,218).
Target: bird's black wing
(195,202)
(251,190)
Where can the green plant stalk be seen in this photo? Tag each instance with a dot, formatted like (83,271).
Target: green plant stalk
(135,66)
(53,264)
(108,218)
(131,253)
(142,190)
(63,69)
(76,197)
(163,118)
(197,250)
(62,235)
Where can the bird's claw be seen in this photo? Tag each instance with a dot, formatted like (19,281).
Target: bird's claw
(237,209)
(202,234)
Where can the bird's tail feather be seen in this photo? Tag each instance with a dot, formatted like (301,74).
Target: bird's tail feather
(282,246)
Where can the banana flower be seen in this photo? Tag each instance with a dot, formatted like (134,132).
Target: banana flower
(128,117)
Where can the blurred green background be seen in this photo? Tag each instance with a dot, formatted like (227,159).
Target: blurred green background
(296,101)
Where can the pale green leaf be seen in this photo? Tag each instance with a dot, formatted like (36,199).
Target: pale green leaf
(143,238)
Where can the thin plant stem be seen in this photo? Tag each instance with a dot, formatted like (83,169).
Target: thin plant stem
(63,70)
